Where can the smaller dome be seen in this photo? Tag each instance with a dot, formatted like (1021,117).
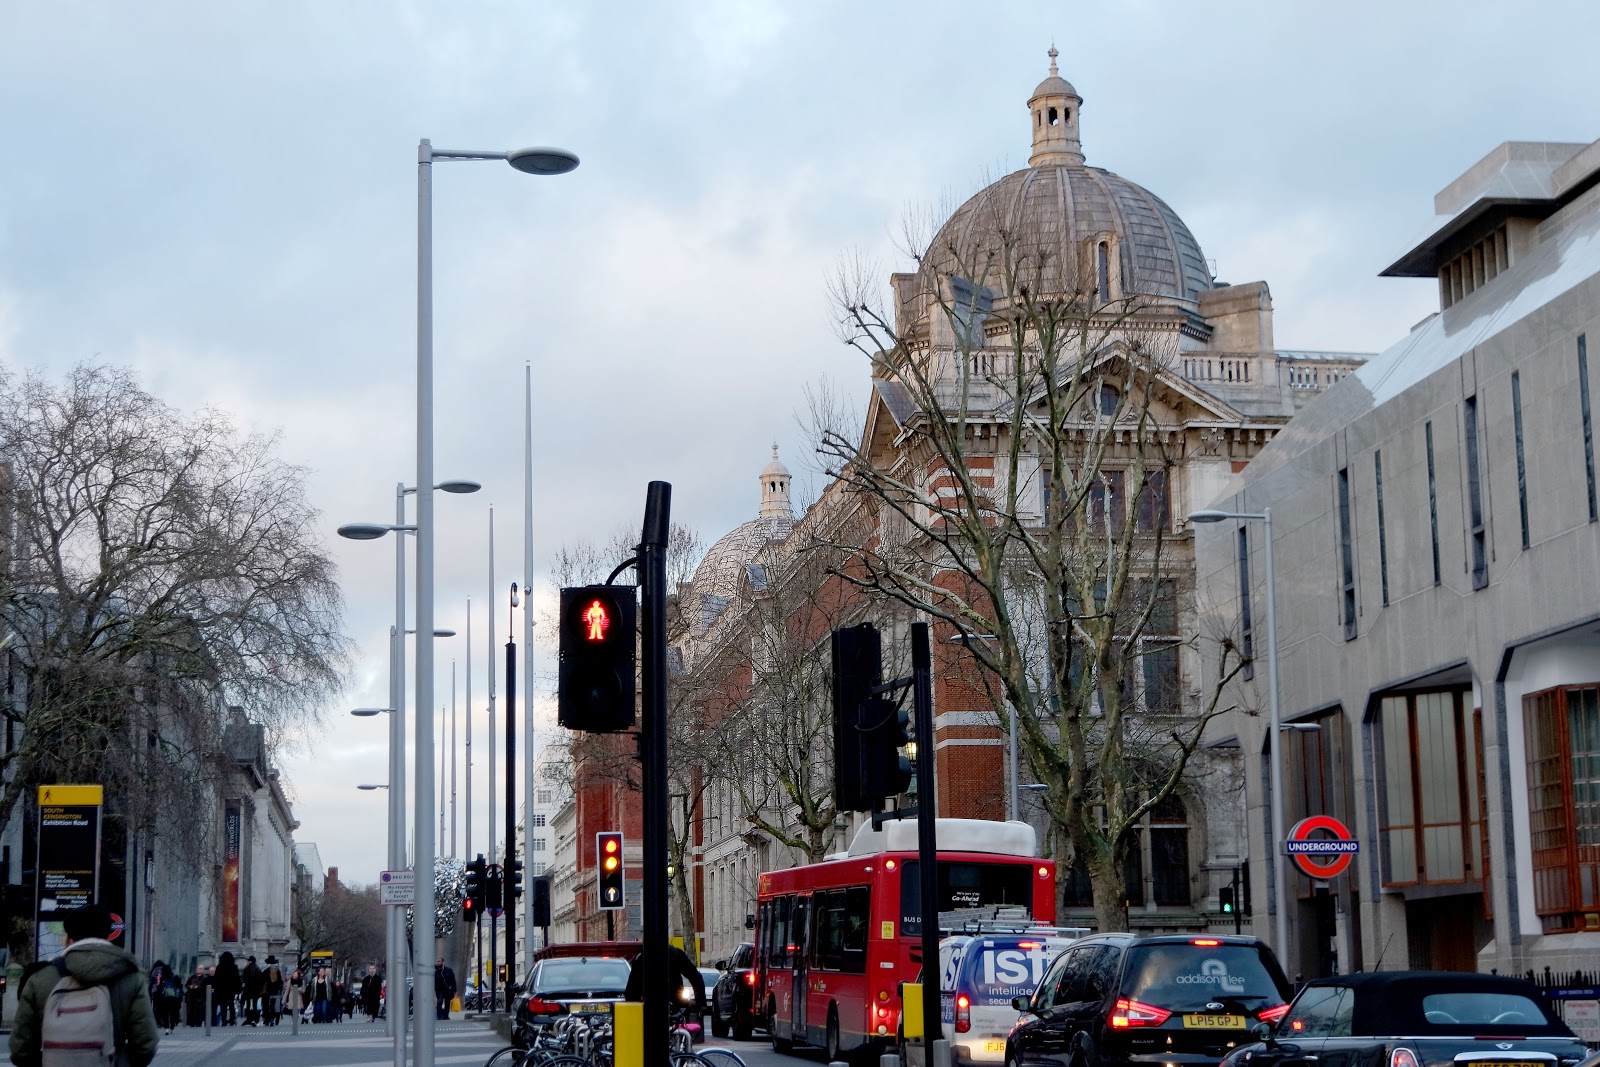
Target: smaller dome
(1054,84)
(775,469)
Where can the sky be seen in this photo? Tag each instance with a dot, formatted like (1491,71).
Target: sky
(223,197)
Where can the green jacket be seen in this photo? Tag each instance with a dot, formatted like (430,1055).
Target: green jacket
(93,962)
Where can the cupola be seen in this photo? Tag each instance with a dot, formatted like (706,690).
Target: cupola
(775,489)
(1054,108)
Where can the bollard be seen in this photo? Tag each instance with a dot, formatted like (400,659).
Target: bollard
(837,1063)
(889,1059)
(294,1019)
(941,1053)
(628,1042)
(208,1011)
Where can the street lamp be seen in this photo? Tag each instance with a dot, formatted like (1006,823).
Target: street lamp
(528,161)
(370,785)
(368,531)
(1280,893)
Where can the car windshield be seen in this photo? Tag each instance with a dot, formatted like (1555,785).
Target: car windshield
(1188,977)
(580,976)
(1482,1009)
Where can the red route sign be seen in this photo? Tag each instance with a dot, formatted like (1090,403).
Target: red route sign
(1320,856)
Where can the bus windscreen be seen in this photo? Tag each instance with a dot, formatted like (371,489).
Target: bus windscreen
(966,891)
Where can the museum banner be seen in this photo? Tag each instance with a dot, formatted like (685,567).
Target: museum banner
(232,833)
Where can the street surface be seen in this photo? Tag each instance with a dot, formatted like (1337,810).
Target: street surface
(363,1045)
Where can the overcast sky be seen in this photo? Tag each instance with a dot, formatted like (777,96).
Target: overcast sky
(223,197)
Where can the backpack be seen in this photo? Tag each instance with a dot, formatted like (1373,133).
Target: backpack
(78,1029)
(170,990)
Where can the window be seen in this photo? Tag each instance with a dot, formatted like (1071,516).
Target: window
(538,820)
(1153,511)
(1158,853)
(1102,265)
(538,844)
(1247,626)
(1433,499)
(1383,538)
(1562,737)
(1105,498)
(1588,424)
(546,796)
(1480,545)
(1429,831)
(1347,564)
(1158,647)
(1522,465)
(1110,397)
(1321,1011)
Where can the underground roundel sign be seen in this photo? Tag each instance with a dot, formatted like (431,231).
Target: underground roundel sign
(1318,854)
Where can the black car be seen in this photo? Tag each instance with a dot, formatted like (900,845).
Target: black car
(731,997)
(1115,1000)
(572,985)
(1416,1019)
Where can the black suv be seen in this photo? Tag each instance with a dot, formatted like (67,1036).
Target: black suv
(1119,1000)
(730,998)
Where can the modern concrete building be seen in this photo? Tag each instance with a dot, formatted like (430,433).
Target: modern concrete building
(1437,537)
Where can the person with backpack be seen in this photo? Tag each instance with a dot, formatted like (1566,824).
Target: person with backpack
(92,1000)
(166,992)
(225,986)
(250,981)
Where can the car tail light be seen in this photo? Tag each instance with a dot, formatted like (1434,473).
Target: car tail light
(1030,944)
(540,1006)
(1209,942)
(963,1014)
(1403,1057)
(1272,1015)
(1128,1013)
(749,978)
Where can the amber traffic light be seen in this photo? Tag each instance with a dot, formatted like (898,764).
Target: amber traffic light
(609,870)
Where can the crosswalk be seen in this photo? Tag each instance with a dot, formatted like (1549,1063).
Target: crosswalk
(322,1046)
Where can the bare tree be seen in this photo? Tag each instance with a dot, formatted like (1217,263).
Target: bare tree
(155,568)
(346,920)
(1012,485)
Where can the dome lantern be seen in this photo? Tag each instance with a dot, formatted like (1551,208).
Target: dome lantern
(775,489)
(1054,111)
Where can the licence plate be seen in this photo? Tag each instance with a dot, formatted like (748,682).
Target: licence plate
(994,1046)
(1509,1063)
(1217,1022)
(589,1009)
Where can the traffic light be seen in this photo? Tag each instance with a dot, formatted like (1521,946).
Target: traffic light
(598,634)
(1225,899)
(493,891)
(512,884)
(541,900)
(473,902)
(857,668)
(608,868)
(886,730)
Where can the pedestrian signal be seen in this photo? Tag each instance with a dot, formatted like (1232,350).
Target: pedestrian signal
(609,869)
(598,634)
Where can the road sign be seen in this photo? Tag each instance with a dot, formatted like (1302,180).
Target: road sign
(1321,856)
(397,887)
(69,859)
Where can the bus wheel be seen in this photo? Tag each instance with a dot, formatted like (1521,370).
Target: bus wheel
(779,1044)
(832,1045)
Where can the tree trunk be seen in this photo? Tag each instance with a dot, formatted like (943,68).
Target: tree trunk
(1105,876)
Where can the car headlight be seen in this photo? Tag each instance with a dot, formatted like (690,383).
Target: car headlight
(685,994)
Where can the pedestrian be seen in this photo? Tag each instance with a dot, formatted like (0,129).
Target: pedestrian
(60,1005)
(321,996)
(372,993)
(272,991)
(167,994)
(225,986)
(250,980)
(295,992)
(444,988)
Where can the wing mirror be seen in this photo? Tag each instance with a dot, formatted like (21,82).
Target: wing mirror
(513,989)
(1263,1032)
(721,965)
(1022,1003)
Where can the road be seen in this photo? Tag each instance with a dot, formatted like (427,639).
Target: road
(361,1045)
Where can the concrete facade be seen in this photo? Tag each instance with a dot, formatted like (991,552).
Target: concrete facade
(1439,600)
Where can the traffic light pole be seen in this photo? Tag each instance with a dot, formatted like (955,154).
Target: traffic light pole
(927,837)
(508,900)
(653,634)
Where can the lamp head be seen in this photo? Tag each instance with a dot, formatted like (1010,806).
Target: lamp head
(371,786)
(542,160)
(364,531)
(459,485)
(444,633)
(365,713)
(1207,516)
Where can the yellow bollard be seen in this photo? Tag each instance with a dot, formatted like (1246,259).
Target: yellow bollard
(627,1048)
(911,1009)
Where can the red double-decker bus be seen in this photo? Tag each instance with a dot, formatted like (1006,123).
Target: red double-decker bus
(835,939)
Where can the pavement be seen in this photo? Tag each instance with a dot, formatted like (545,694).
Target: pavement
(328,1045)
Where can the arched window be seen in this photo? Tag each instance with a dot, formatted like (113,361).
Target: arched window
(1054,117)
(1102,265)
(1109,397)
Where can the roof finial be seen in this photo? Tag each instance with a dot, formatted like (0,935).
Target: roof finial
(774,450)
(1052,54)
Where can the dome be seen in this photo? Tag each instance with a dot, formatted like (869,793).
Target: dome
(1067,226)
(720,577)
(1058,215)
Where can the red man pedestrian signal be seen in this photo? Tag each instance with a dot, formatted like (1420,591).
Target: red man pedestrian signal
(608,869)
(596,690)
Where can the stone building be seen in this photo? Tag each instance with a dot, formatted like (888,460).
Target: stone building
(1436,538)
(1221,397)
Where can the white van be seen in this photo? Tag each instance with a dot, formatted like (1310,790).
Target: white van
(979,974)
